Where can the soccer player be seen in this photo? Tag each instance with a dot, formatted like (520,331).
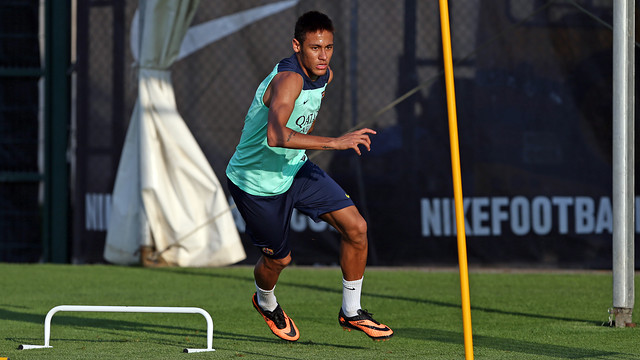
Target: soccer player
(269,175)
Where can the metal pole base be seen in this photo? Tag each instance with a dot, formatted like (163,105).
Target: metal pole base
(29,347)
(197,350)
(623,317)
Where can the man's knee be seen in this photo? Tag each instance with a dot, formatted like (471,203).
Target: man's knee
(351,225)
(358,228)
(277,264)
(356,232)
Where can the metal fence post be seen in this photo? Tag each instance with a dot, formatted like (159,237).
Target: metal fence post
(57,115)
(623,160)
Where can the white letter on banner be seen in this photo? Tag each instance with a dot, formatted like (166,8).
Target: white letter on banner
(92,211)
(447,216)
(541,215)
(97,209)
(237,218)
(480,216)
(298,221)
(562,202)
(584,214)
(498,215)
(430,217)
(604,219)
(520,224)
(316,226)
(107,210)
(466,205)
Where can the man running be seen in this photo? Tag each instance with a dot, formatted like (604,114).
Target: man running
(269,175)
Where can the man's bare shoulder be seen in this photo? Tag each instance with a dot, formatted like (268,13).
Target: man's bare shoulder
(287,78)
(287,82)
(285,87)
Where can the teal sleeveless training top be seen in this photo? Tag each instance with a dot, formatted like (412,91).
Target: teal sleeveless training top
(258,168)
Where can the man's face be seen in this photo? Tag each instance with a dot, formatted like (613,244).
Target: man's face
(315,52)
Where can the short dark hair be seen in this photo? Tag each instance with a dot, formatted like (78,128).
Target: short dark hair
(311,21)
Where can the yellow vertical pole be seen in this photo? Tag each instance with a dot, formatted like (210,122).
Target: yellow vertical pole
(457,179)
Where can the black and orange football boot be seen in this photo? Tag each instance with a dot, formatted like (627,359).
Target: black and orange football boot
(365,323)
(278,321)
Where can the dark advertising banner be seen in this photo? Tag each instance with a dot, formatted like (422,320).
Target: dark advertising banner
(534,100)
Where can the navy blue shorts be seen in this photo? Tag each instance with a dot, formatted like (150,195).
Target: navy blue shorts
(312,192)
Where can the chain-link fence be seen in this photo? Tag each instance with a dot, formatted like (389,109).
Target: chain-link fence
(533,82)
(20,174)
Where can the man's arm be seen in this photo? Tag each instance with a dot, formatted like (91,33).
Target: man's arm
(280,98)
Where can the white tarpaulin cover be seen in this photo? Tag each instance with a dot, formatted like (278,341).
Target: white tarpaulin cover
(166,194)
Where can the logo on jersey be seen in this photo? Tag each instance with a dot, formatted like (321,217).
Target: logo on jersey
(305,122)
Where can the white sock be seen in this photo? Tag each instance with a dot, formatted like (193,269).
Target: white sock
(266,299)
(351,291)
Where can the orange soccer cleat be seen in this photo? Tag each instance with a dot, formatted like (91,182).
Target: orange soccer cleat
(278,321)
(365,323)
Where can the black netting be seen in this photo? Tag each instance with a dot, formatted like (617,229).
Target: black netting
(533,95)
(20,141)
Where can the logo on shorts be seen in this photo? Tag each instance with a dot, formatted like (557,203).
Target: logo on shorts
(267,251)
(347,195)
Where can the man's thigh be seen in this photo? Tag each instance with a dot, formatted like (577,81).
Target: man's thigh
(267,220)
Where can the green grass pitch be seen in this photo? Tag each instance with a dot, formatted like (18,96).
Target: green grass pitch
(515,315)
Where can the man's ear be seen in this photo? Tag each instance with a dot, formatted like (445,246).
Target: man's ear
(296,45)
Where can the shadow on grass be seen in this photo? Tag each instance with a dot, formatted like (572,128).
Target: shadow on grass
(390,297)
(85,321)
(107,326)
(117,327)
(279,355)
(250,338)
(511,345)
(297,343)
(261,355)
(448,304)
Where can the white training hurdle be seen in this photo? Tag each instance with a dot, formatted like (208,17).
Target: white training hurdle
(139,309)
